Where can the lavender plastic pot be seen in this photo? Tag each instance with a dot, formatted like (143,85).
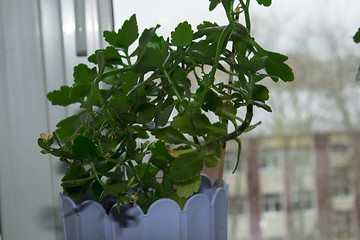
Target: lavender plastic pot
(204,217)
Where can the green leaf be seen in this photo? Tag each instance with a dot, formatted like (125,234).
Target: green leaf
(153,55)
(101,62)
(76,172)
(80,91)
(253,126)
(165,188)
(227,111)
(206,24)
(128,117)
(141,97)
(67,127)
(145,113)
(111,56)
(62,97)
(181,81)
(260,93)
(76,182)
(170,135)
(253,65)
(212,101)
(180,201)
(120,102)
(227,4)
(160,156)
(211,161)
(144,169)
(96,100)
(357,36)
(203,51)
(187,189)
(116,189)
(276,67)
(142,134)
(212,31)
(131,183)
(65,154)
(84,147)
(130,79)
(125,36)
(238,154)
(266,3)
(262,105)
(130,144)
(112,38)
(146,36)
(164,111)
(83,74)
(218,129)
(192,122)
(96,190)
(213,4)
(187,166)
(43,144)
(182,35)
(205,82)
(114,79)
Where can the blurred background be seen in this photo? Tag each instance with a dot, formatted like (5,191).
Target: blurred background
(299,173)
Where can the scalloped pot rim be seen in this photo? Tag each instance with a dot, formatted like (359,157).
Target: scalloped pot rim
(207,192)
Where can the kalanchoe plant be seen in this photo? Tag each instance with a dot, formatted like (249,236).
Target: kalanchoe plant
(143,130)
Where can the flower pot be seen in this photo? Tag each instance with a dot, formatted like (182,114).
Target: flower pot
(204,217)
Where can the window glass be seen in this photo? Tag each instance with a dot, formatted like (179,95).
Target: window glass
(271,158)
(343,225)
(307,152)
(272,203)
(341,181)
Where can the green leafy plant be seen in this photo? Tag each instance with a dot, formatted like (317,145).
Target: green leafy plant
(150,119)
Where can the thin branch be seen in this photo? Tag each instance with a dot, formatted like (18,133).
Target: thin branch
(230,81)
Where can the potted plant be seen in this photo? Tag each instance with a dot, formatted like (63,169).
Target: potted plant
(144,130)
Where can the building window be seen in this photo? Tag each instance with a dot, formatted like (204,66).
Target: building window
(302,200)
(339,149)
(341,182)
(343,224)
(271,158)
(272,203)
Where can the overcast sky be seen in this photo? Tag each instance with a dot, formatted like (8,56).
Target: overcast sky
(280,26)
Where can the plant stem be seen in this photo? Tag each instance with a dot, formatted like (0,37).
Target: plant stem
(222,40)
(95,172)
(173,87)
(221,166)
(231,136)
(247,15)
(127,58)
(230,81)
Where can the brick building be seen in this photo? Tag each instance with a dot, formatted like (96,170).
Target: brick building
(294,187)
